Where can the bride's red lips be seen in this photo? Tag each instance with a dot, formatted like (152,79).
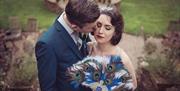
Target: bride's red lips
(99,36)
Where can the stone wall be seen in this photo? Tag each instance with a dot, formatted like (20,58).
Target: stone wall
(14,43)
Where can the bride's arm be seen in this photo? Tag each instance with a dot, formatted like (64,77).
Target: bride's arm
(128,64)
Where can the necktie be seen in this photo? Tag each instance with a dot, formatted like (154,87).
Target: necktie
(84,49)
(79,43)
(77,39)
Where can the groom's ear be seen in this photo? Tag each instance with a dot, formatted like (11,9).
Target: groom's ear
(75,27)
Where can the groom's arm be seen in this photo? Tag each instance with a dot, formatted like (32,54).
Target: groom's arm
(46,63)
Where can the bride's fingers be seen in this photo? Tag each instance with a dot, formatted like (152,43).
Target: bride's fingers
(90,46)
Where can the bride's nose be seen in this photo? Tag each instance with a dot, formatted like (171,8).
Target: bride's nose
(101,30)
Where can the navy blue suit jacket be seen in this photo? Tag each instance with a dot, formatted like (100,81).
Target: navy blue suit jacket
(55,51)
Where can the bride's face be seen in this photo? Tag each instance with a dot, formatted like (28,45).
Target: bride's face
(105,30)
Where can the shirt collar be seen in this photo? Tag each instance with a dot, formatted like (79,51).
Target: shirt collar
(65,25)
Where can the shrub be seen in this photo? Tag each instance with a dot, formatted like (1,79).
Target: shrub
(24,72)
(172,43)
(163,68)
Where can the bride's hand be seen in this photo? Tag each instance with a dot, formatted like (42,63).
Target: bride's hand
(91,48)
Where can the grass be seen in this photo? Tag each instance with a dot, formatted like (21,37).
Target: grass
(25,9)
(153,15)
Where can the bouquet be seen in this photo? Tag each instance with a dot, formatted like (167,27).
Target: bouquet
(100,73)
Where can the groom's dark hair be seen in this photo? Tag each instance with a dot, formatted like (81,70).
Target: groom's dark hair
(81,12)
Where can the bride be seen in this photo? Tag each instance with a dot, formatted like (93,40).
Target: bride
(107,36)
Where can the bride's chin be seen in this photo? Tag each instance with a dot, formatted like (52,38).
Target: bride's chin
(99,41)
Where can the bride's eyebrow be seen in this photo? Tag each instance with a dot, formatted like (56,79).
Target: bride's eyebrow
(107,25)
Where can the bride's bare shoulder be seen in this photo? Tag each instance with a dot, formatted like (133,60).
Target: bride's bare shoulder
(124,56)
(120,51)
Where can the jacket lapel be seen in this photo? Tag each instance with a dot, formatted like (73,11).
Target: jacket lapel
(67,39)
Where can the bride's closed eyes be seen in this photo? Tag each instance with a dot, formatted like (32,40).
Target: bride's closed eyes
(107,27)
(99,25)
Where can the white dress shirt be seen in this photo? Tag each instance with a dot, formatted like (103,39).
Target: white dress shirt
(74,35)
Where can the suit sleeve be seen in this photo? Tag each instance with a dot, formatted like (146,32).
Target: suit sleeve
(47,66)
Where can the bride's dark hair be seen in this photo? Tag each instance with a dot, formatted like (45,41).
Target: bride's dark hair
(116,21)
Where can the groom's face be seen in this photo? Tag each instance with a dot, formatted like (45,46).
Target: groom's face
(89,27)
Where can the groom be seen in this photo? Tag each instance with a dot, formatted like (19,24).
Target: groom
(60,46)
